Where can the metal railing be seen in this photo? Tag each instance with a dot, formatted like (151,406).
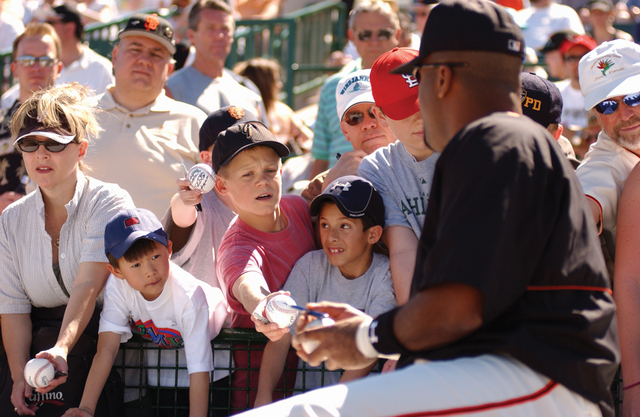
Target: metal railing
(301,42)
(153,401)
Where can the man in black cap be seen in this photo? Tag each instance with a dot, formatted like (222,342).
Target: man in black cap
(147,137)
(81,64)
(511,312)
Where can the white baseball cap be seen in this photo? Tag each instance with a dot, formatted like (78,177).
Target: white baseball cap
(610,70)
(353,89)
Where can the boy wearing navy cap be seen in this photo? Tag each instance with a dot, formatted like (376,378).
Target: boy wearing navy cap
(148,294)
(351,217)
(270,233)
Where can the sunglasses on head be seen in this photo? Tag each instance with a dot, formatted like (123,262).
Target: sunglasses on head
(382,35)
(356,117)
(29,61)
(610,106)
(31,145)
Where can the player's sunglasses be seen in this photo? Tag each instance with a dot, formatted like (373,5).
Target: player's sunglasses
(42,61)
(31,145)
(415,73)
(355,118)
(610,106)
(383,35)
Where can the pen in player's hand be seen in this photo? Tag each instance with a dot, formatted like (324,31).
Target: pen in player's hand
(338,156)
(313,313)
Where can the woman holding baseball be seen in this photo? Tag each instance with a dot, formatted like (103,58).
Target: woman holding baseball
(52,260)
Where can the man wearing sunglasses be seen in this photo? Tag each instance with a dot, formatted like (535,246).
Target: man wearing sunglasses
(610,83)
(374,29)
(35,64)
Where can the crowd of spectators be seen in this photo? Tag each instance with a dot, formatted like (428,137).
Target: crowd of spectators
(379,204)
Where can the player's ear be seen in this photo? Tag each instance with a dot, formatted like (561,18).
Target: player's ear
(205,157)
(374,234)
(115,271)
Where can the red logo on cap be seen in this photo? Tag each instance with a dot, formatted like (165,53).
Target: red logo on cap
(131,221)
(236,112)
(605,65)
(151,23)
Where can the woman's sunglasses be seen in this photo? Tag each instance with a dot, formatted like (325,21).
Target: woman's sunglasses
(31,145)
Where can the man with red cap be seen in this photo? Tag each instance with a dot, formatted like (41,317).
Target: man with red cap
(401,171)
(572,49)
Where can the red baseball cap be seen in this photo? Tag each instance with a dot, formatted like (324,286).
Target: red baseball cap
(572,41)
(395,94)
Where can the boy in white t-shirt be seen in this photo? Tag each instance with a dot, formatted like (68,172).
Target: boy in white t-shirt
(150,295)
(350,217)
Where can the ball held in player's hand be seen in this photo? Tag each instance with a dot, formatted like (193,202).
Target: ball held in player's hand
(310,345)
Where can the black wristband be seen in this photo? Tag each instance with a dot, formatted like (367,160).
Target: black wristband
(382,337)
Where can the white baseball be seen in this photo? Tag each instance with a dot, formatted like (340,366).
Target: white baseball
(39,372)
(280,312)
(201,177)
(311,345)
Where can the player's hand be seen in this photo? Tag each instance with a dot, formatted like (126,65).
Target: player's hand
(77,412)
(337,342)
(59,360)
(188,196)
(7,198)
(271,330)
(20,392)
(347,165)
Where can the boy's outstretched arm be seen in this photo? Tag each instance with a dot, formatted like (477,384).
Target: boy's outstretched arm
(271,367)
(250,289)
(403,247)
(198,394)
(108,345)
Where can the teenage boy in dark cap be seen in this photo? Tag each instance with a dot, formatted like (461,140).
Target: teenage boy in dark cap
(511,312)
(270,233)
(350,215)
(541,101)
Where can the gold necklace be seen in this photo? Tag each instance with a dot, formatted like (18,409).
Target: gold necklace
(57,243)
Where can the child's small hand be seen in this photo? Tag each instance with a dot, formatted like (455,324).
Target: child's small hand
(188,196)
(389,366)
(271,330)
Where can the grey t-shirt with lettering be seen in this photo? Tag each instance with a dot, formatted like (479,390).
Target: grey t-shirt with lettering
(403,183)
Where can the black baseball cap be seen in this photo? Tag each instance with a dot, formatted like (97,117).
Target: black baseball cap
(68,13)
(128,226)
(150,26)
(219,120)
(468,25)
(354,196)
(541,100)
(243,136)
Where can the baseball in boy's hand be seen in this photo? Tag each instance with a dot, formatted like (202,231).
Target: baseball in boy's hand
(279,310)
(310,345)
(201,177)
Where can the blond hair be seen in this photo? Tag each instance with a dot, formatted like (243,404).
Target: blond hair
(37,29)
(374,6)
(63,107)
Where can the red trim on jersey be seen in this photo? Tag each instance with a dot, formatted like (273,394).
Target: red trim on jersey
(600,226)
(569,287)
(486,407)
